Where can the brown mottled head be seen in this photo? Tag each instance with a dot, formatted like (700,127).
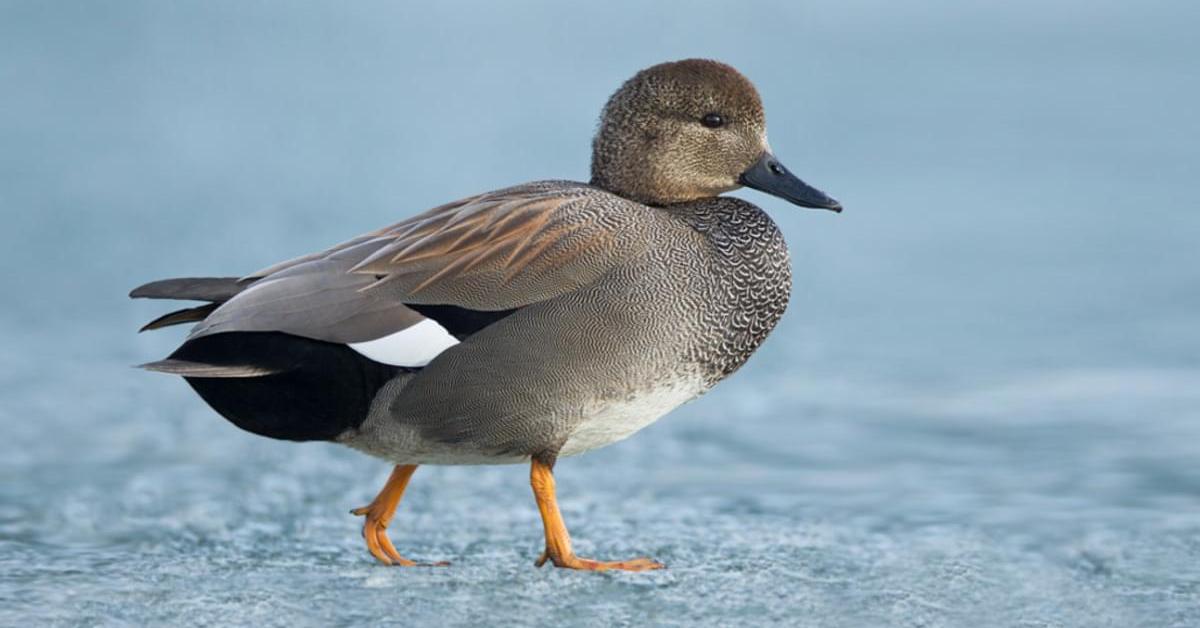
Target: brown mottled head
(688,130)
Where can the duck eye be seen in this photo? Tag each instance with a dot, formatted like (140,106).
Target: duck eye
(713,120)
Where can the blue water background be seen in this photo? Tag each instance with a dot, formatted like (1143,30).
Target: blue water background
(982,408)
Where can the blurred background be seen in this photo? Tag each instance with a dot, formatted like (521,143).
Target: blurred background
(982,406)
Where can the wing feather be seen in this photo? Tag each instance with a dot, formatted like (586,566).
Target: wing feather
(506,249)
(497,251)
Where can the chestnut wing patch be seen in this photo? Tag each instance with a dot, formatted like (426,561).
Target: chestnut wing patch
(477,260)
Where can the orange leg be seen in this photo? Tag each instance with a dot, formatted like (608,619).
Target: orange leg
(379,514)
(558,541)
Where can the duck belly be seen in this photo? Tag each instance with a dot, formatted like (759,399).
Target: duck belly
(616,420)
(600,422)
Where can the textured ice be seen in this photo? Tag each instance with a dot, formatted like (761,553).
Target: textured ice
(983,408)
(126,501)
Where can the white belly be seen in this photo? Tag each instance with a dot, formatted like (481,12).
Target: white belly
(606,423)
(616,421)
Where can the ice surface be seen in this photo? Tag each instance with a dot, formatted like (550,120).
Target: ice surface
(983,407)
(795,508)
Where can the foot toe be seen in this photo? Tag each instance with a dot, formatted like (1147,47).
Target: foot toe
(587,564)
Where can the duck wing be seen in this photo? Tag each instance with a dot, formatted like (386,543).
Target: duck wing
(495,252)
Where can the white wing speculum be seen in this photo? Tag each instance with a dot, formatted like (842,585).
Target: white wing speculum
(413,346)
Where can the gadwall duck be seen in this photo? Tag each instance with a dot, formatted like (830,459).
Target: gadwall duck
(521,325)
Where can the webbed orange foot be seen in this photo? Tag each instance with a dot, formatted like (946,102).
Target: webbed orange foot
(379,514)
(587,564)
(558,540)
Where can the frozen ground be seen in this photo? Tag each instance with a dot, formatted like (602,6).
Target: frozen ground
(1062,499)
(982,409)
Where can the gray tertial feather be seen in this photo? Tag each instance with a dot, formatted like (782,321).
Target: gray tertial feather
(190,288)
(199,369)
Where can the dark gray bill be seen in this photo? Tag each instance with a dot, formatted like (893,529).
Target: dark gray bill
(768,175)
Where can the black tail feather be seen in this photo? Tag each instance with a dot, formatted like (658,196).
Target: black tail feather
(178,317)
(215,290)
(279,385)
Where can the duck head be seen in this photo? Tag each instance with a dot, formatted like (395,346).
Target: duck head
(689,130)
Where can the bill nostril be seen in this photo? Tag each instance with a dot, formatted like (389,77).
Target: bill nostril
(777,168)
